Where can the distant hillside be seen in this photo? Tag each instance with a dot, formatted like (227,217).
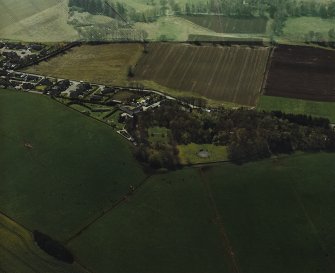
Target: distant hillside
(36,20)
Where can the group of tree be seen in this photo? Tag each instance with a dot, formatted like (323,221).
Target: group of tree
(320,38)
(52,247)
(310,8)
(248,134)
(158,155)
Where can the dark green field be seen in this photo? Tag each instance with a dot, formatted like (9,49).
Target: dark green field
(222,24)
(74,168)
(279,213)
(276,214)
(166,227)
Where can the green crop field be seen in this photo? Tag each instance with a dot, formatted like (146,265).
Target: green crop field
(268,216)
(297,106)
(59,168)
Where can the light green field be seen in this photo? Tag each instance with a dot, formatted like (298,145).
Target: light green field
(297,106)
(13,11)
(59,168)
(40,87)
(296,28)
(36,21)
(188,154)
(173,28)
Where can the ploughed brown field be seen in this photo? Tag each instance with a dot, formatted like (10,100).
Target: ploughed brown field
(303,73)
(220,23)
(233,74)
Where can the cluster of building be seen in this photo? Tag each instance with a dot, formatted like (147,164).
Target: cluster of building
(15,55)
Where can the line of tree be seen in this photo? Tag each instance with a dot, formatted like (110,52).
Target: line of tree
(248,134)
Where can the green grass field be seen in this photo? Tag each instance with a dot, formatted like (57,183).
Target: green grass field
(277,215)
(188,154)
(297,106)
(36,21)
(172,28)
(16,10)
(165,227)
(296,28)
(59,168)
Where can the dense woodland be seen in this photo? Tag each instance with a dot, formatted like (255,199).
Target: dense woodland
(248,134)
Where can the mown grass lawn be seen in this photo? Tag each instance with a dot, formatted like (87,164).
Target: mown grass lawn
(189,154)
